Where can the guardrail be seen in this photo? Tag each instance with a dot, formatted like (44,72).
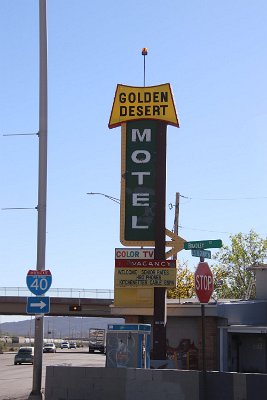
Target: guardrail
(60,292)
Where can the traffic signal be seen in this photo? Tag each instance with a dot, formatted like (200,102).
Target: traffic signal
(75,307)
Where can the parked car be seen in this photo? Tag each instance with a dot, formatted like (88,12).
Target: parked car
(49,348)
(73,345)
(65,345)
(24,355)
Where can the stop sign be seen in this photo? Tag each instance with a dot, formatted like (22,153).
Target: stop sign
(203,282)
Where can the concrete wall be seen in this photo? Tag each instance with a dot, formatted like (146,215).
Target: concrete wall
(84,383)
(81,383)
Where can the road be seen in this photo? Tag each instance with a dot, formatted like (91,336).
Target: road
(16,380)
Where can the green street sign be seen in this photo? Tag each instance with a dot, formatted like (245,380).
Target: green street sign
(201,253)
(203,244)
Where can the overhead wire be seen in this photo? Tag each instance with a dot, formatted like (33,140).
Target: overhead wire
(225,199)
(215,199)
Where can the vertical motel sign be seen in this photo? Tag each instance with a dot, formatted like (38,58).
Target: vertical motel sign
(143,114)
(140,111)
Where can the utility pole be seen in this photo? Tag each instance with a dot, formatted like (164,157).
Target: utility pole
(42,195)
(175,229)
(176,218)
(160,309)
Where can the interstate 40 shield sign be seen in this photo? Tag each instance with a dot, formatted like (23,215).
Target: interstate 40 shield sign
(39,281)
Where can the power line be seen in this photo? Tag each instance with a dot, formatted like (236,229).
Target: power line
(205,230)
(212,231)
(225,198)
(19,208)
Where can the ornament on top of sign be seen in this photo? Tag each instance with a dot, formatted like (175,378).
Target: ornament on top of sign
(144,53)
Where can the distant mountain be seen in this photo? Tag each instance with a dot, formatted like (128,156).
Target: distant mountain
(59,327)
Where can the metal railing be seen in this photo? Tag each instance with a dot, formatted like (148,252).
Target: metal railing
(61,292)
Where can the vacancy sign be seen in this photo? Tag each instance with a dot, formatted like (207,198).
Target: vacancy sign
(145,273)
(145,278)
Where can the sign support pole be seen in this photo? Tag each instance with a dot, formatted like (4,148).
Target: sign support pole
(203,337)
(204,368)
(159,320)
(42,194)
(203,287)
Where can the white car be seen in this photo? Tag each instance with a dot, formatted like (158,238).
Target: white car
(65,345)
(49,348)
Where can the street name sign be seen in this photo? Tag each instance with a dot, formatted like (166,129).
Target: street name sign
(203,282)
(201,253)
(39,281)
(203,244)
(38,305)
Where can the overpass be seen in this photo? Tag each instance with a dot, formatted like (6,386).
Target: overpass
(93,302)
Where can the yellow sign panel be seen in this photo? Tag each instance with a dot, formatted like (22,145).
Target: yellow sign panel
(145,277)
(135,297)
(136,103)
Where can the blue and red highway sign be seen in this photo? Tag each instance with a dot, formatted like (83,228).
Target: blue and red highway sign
(39,281)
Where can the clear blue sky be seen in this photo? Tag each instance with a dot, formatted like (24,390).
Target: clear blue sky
(214,56)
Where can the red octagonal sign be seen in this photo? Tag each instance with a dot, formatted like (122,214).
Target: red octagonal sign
(203,282)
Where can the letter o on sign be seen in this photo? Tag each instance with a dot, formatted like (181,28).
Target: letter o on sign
(141,156)
(203,282)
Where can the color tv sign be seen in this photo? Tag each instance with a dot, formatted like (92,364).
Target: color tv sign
(140,110)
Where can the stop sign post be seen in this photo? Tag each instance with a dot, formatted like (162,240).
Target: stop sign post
(204,288)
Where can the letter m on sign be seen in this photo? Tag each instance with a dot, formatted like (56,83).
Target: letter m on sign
(136,135)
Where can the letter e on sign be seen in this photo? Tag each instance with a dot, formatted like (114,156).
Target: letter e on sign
(203,282)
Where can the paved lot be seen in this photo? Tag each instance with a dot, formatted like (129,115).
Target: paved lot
(16,380)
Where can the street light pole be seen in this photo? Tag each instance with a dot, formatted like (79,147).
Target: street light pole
(42,195)
(107,196)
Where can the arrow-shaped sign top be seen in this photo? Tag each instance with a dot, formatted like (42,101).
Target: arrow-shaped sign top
(177,243)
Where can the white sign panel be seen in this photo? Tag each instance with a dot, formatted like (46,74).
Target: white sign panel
(133,253)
